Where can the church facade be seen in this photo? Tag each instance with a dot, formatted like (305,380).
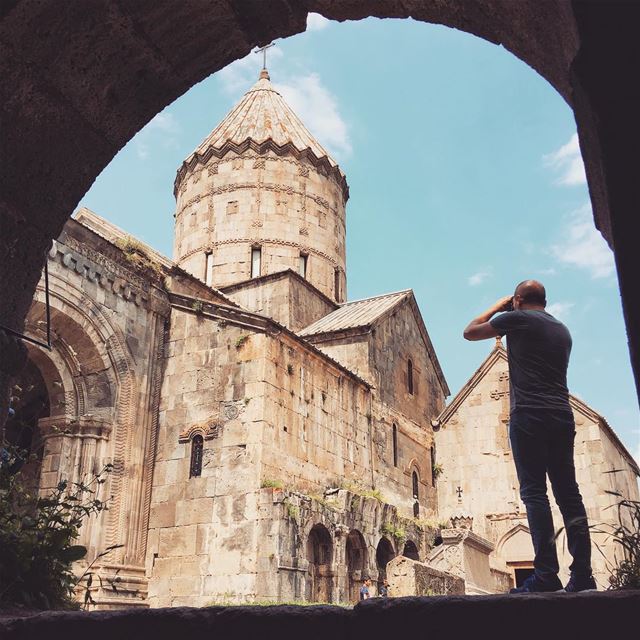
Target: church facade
(270,440)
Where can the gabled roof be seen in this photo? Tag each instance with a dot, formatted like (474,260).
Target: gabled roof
(500,353)
(356,314)
(278,275)
(360,316)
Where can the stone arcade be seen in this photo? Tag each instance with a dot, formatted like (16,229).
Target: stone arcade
(270,440)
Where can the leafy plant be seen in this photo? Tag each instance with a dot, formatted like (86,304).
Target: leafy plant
(240,341)
(38,535)
(437,470)
(197,306)
(626,574)
(269,482)
(359,489)
(135,254)
(395,531)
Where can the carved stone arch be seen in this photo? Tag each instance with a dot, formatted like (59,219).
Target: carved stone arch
(57,378)
(515,545)
(320,554)
(106,348)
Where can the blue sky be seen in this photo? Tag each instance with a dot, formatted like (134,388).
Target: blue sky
(465,178)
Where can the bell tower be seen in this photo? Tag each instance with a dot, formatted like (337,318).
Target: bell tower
(260,195)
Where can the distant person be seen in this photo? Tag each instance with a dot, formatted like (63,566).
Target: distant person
(383,591)
(541,430)
(364,589)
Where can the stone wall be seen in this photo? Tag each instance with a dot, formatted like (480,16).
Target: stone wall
(286,297)
(285,205)
(411,578)
(380,354)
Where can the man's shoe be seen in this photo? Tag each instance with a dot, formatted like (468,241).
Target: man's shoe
(535,584)
(580,583)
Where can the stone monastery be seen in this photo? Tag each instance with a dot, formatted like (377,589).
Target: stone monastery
(272,441)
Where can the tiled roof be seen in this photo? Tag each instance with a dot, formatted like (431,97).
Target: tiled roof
(261,115)
(359,313)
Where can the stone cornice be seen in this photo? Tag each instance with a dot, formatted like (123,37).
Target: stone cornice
(108,274)
(322,164)
(81,426)
(262,241)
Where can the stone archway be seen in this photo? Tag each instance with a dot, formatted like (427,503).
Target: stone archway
(320,557)
(356,559)
(30,402)
(96,74)
(410,550)
(384,554)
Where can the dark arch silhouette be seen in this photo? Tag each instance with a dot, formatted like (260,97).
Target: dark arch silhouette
(320,557)
(411,550)
(103,70)
(384,554)
(356,558)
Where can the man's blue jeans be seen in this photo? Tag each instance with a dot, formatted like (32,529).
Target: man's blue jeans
(542,443)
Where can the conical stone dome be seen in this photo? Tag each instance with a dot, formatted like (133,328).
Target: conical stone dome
(261,185)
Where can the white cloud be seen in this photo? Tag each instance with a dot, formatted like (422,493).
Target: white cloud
(240,75)
(582,246)
(567,162)
(163,129)
(305,93)
(317,107)
(316,22)
(560,310)
(478,278)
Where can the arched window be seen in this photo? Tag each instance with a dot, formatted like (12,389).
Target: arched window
(256,261)
(394,438)
(410,376)
(197,444)
(433,465)
(303,262)
(415,481)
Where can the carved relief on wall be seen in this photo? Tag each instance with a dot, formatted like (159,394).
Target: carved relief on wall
(209,430)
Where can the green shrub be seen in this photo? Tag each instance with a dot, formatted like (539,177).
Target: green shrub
(38,535)
(626,574)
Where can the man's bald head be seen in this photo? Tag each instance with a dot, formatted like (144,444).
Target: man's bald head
(531,292)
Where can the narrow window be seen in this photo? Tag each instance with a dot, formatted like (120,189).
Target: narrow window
(208,267)
(256,261)
(336,284)
(410,376)
(416,494)
(195,469)
(302,264)
(433,466)
(394,437)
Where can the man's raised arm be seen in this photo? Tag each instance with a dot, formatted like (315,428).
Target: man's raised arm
(480,328)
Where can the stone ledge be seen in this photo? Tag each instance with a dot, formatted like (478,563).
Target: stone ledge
(583,616)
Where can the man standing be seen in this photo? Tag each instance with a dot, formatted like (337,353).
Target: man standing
(364,589)
(541,430)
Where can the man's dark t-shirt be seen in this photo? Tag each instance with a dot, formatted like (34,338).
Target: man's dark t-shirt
(538,347)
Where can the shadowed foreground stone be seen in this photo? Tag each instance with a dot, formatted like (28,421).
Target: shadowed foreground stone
(586,615)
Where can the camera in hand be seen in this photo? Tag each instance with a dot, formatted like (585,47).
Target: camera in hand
(509,305)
